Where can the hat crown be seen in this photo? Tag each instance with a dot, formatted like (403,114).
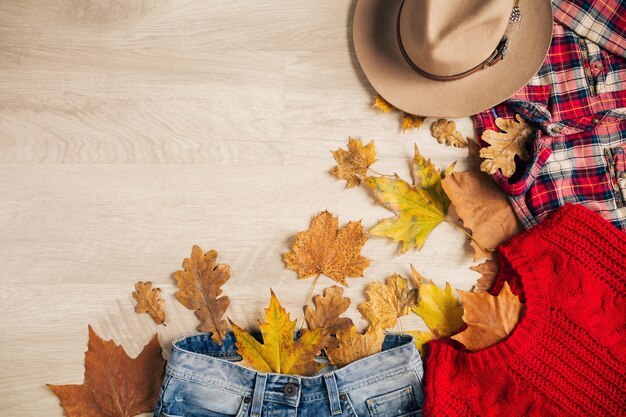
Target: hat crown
(448,37)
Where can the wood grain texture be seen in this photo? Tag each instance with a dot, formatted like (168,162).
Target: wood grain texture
(132,129)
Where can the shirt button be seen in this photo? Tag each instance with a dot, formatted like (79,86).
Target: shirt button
(622,175)
(596,121)
(597,65)
(557,129)
(290,389)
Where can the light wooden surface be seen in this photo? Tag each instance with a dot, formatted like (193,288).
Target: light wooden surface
(132,129)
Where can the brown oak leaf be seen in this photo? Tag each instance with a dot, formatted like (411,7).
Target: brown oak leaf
(149,301)
(445,132)
(326,315)
(354,345)
(484,209)
(383,104)
(410,121)
(116,385)
(199,285)
(326,249)
(387,302)
(489,319)
(354,162)
(505,145)
(488,271)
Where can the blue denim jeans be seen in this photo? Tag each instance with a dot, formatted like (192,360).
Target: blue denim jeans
(202,379)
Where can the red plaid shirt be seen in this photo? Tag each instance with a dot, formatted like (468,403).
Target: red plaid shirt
(578,101)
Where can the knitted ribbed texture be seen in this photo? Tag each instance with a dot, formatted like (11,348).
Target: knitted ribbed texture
(567,355)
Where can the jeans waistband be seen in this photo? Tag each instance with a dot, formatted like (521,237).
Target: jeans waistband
(197,358)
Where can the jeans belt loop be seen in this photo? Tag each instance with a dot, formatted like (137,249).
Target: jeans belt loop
(259,393)
(333,393)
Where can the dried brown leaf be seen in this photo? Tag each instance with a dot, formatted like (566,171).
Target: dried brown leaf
(484,209)
(489,319)
(149,301)
(326,249)
(445,132)
(199,285)
(387,302)
(354,346)
(116,385)
(488,271)
(326,315)
(352,164)
(505,145)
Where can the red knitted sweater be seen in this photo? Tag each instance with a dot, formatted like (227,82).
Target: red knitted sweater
(567,355)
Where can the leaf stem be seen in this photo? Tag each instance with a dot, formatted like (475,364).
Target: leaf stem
(480,245)
(309,298)
(378,173)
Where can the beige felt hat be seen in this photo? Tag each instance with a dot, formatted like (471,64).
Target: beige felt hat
(450,58)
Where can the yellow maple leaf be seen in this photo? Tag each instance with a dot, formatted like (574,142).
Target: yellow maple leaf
(420,339)
(149,301)
(354,162)
(326,249)
(279,353)
(382,104)
(326,316)
(410,121)
(418,209)
(354,345)
(387,302)
(505,145)
(439,308)
(445,132)
(489,319)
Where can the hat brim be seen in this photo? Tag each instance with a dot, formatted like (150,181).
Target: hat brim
(378,52)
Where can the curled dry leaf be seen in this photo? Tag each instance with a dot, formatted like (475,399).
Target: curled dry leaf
(484,209)
(505,145)
(326,249)
(199,285)
(279,353)
(440,309)
(382,104)
(354,162)
(388,301)
(445,132)
(489,319)
(354,345)
(116,385)
(418,209)
(488,271)
(326,315)
(149,301)
(410,121)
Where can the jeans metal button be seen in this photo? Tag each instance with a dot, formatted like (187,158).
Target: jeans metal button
(290,389)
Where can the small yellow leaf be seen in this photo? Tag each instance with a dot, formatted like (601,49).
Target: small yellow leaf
(488,271)
(410,121)
(326,315)
(354,346)
(382,104)
(505,146)
(388,301)
(489,319)
(149,301)
(445,132)
(421,338)
(326,249)
(440,309)
(279,353)
(354,162)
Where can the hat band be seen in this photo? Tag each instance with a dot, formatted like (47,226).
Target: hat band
(496,56)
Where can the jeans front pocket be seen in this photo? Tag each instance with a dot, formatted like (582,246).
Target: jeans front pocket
(184,398)
(398,403)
